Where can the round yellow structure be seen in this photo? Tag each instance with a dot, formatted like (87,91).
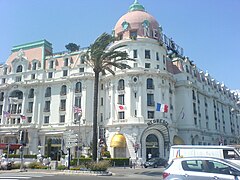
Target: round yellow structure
(118,141)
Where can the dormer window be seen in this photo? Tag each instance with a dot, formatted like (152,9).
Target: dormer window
(133,34)
(19,69)
(34,66)
(5,71)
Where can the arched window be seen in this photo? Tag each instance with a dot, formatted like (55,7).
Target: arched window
(31,93)
(19,68)
(152,145)
(78,87)
(63,90)
(121,84)
(150,83)
(48,92)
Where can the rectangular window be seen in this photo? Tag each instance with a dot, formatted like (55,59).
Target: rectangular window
(121,99)
(65,72)
(62,119)
(195,121)
(63,105)
(157,56)
(135,55)
(51,64)
(50,75)
(29,119)
(135,65)
(18,78)
(81,70)
(3,80)
(1,108)
(147,65)
(101,117)
(147,54)
(33,76)
(47,106)
(66,62)
(150,100)
(46,119)
(101,101)
(121,115)
(30,107)
(78,101)
(150,114)
(164,59)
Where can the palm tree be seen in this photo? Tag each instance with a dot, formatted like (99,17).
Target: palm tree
(102,59)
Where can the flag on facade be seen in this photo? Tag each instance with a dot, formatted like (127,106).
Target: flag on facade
(121,107)
(6,114)
(23,117)
(77,110)
(162,107)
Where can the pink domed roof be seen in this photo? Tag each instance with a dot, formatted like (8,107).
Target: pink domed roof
(136,20)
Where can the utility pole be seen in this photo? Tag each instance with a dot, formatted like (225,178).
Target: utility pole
(79,131)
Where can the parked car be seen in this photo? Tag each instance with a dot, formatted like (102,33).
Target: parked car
(155,162)
(225,152)
(201,168)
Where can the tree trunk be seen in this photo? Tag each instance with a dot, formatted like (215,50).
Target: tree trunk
(95,121)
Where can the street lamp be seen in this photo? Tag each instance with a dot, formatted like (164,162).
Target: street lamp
(78,110)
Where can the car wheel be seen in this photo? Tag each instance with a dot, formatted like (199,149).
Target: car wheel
(155,166)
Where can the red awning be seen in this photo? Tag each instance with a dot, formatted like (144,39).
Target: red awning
(15,146)
(3,145)
(12,146)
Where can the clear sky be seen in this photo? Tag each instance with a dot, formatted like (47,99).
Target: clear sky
(208,30)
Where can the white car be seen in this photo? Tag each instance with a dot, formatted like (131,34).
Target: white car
(201,168)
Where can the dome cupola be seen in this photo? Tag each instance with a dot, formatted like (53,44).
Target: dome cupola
(137,23)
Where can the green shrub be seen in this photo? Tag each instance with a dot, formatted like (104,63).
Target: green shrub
(119,161)
(106,154)
(36,165)
(98,166)
(82,161)
(61,167)
(25,156)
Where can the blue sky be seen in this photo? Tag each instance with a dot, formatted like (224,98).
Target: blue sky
(208,30)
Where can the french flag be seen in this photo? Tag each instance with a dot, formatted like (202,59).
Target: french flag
(162,107)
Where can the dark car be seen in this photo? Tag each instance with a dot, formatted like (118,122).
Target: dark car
(155,162)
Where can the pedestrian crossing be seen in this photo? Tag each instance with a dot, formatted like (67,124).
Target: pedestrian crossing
(22,177)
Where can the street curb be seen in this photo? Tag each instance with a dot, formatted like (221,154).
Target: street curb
(93,173)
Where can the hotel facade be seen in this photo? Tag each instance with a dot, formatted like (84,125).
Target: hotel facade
(39,89)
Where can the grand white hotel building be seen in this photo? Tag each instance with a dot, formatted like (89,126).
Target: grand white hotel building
(44,86)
